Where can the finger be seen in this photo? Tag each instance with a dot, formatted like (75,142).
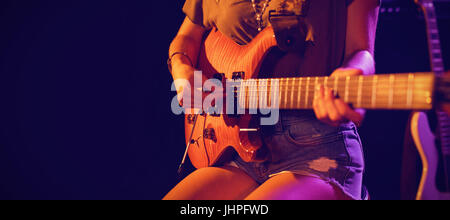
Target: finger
(347,72)
(318,104)
(331,108)
(347,112)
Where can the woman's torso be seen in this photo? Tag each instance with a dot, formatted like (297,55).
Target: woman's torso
(327,21)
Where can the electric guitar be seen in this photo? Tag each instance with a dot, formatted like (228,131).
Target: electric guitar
(432,147)
(213,138)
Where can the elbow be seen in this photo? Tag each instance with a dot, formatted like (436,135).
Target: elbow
(362,59)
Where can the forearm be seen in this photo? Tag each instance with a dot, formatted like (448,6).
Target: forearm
(183,52)
(359,63)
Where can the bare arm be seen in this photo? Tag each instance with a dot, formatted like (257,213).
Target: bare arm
(187,41)
(359,60)
(183,52)
(361,30)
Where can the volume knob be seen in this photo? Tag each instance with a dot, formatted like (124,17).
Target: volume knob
(209,134)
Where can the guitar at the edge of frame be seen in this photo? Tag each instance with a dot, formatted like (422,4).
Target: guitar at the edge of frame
(432,147)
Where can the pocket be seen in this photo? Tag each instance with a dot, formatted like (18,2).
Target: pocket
(312,134)
(354,148)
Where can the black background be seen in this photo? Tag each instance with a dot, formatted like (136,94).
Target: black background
(85,98)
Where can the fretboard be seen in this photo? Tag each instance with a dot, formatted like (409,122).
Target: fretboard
(437,64)
(394,91)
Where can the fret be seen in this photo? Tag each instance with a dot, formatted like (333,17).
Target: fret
(434,41)
(292,93)
(437,60)
(432,21)
(285,87)
(299,92)
(248,93)
(347,81)
(255,94)
(249,97)
(269,92)
(263,94)
(436,47)
(391,90)
(438,71)
(335,89)
(253,97)
(241,95)
(374,91)
(360,87)
(433,26)
(316,83)
(250,90)
(245,90)
(308,81)
(409,99)
(287,98)
(276,93)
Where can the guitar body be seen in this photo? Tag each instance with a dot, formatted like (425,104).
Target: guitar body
(425,140)
(216,137)
(213,138)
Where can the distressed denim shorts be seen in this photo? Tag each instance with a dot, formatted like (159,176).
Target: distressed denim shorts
(301,144)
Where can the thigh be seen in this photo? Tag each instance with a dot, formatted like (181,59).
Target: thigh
(289,186)
(213,183)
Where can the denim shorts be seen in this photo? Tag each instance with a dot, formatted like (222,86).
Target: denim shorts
(301,144)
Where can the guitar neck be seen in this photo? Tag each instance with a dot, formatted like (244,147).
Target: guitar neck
(395,91)
(437,64)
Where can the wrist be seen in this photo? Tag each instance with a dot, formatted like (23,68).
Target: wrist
(177,59)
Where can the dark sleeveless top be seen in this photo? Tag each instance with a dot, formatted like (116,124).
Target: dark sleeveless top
(327,21)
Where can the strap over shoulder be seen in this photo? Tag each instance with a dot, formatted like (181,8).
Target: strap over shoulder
(290,30)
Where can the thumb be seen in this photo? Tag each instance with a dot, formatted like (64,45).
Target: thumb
(347,72)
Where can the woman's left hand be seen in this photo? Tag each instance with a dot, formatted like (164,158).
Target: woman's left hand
(332,110)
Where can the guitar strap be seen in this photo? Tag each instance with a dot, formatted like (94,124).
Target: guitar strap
(290,27)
